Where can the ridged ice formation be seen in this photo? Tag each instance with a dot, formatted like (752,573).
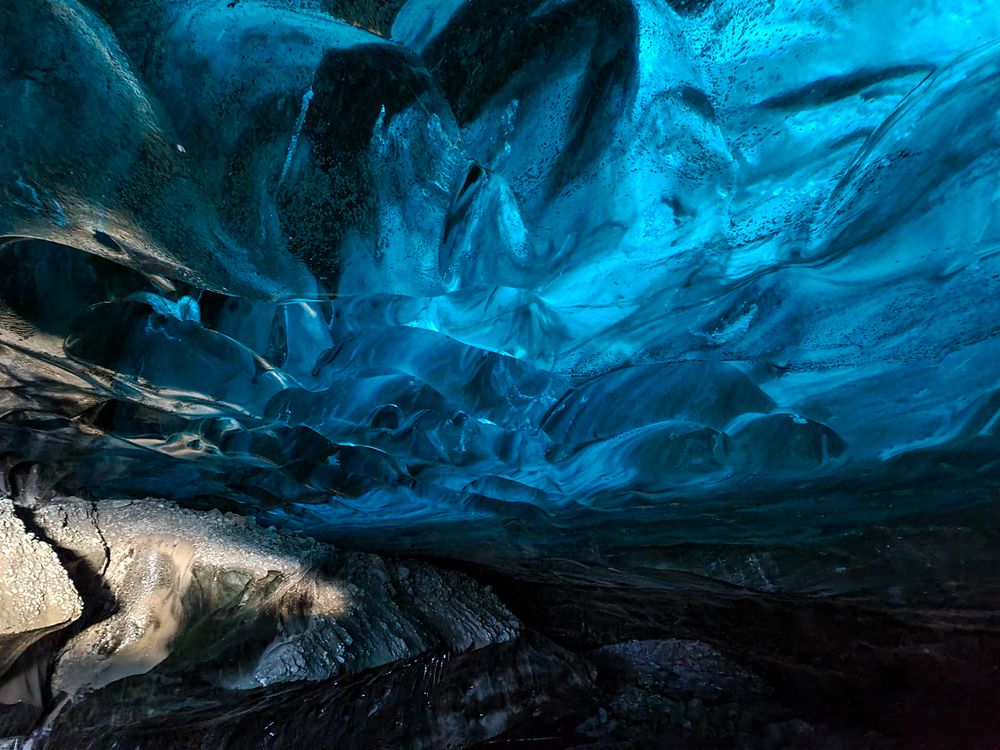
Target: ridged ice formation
(597,274)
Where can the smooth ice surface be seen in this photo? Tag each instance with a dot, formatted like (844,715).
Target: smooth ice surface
(619,279)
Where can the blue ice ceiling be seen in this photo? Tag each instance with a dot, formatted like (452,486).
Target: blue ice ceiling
(601,272)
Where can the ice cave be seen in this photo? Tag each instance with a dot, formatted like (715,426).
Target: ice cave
(500,374)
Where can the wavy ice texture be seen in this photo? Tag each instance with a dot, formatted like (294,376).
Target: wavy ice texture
(610,280)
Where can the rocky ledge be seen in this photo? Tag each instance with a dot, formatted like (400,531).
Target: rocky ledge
(139,623)
(132,596)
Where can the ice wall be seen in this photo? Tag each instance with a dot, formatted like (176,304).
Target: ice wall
(598,275)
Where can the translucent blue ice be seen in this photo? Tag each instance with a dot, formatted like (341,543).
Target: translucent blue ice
(591,273)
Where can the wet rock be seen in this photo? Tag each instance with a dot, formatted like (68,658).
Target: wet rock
(191,612)
(36,595)
(679,669)
(430,702)
(673,688)
(249,607)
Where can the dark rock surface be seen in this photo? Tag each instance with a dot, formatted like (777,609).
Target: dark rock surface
(844,674)
(214,608)
(202,630)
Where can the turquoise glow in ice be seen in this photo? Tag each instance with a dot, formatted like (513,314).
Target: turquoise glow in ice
(527,265)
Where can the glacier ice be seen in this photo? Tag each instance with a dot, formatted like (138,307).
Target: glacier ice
(581,278)
(663,331)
